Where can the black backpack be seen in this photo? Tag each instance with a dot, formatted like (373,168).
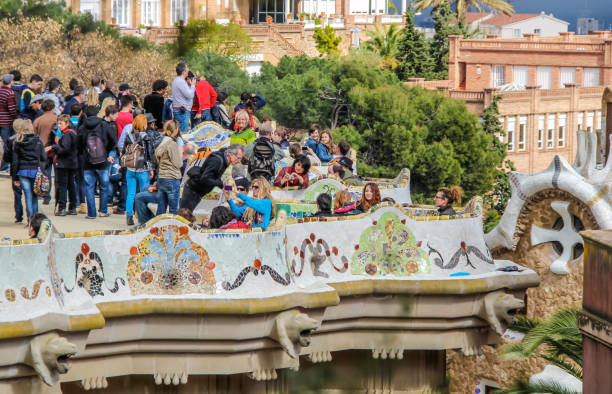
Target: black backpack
(95,150)
(262,162)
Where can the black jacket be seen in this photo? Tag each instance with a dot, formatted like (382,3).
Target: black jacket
(27,154)
(154,104)
(210,173)
(447,210)
(152,139)
(90,124)
(107,93)
(66,150)
(113,133)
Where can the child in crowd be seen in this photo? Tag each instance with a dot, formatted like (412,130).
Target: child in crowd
(343,206)
(66,164)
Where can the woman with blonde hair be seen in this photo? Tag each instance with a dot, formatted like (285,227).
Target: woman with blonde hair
(169,163)
(343,206)
(243,132)
(326,148)
(134,158)
(105,104)
(369,197)
(258,210)
(93,98)
(27,155)
(446,197)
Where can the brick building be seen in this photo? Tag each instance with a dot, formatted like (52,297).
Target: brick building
(558,84)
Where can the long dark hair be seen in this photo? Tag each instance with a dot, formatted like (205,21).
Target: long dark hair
(220,216)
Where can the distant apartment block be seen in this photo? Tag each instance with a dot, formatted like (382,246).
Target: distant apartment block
(555,88)
(485,23)
(586,25)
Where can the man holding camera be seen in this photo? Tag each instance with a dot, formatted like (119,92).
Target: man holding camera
(183,90)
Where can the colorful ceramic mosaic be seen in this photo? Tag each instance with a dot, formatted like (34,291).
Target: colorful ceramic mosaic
(208,135)
(257,268)
(318,251)
(167,261)
(89,273)
(389,247)
(463,251)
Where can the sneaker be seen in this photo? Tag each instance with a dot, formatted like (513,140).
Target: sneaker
(18,221)
(104,214)
(72,211)
(130,220)
(46,200)
(90,217)
(82,208)
(118,211)
(61,212)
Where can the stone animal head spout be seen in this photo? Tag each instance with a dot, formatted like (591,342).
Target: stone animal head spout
(292,329)
(49,354)
(498,308)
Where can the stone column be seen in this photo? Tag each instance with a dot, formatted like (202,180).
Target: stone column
(533,92)
(403,9)
(165,13)
(572,119)
(287,9)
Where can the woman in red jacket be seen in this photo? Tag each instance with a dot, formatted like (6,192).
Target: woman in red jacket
(295,175)
(223,218)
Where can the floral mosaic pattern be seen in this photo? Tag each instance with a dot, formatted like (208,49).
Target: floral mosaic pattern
(89,273)
(388,247)
(167,261)
(319,252)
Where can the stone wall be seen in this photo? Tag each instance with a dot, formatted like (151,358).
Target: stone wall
(555,292)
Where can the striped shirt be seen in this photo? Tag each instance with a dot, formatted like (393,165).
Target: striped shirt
(8,109)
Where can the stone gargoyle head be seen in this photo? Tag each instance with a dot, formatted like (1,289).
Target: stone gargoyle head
(48,355)
(292,329)
(498,308)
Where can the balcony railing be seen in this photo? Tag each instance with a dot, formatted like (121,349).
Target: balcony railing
(467,95)
(505,44)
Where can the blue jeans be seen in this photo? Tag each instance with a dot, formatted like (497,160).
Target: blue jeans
(90,184)
(206,117)
(136,182)
(169,194)
(80,182)
(182,119)
(5,133)
(140,205)
(17,193)
(27,185)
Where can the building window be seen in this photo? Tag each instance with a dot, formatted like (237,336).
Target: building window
(598,123)
(541,121)
(568,75)
(120,10)
(522,132)
(510,132)
(591,77)
(355,37)
(179,11)
(580,116)
(545,77)
(561,129)
(276,9)
(537,31)
(499,75)
(589,121)
(91,6)
(516,33)
(521,75)
(550,137)
(150,13)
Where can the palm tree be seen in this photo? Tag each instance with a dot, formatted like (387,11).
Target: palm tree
(462,6)
(560,343)
(384,42)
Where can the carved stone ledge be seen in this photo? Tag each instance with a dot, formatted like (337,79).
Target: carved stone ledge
(168,378)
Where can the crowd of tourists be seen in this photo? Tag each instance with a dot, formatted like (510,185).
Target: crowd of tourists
(98,140)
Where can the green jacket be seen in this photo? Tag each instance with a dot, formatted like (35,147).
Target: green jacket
(351,179)
(243,137)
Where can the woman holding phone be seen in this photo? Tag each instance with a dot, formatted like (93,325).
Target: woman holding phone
(294,175)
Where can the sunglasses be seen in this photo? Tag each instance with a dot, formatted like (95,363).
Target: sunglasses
(255,187)
(240,189)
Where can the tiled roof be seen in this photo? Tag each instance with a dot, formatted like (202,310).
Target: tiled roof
(471,17)
(503,20)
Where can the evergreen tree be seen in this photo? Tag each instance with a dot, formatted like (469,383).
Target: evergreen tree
(442,16)
(413,57)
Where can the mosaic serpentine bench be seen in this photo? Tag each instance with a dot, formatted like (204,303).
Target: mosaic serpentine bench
(397,188)
(247,301)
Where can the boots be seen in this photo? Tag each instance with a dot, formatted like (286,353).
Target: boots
(61,212)
(130,220)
